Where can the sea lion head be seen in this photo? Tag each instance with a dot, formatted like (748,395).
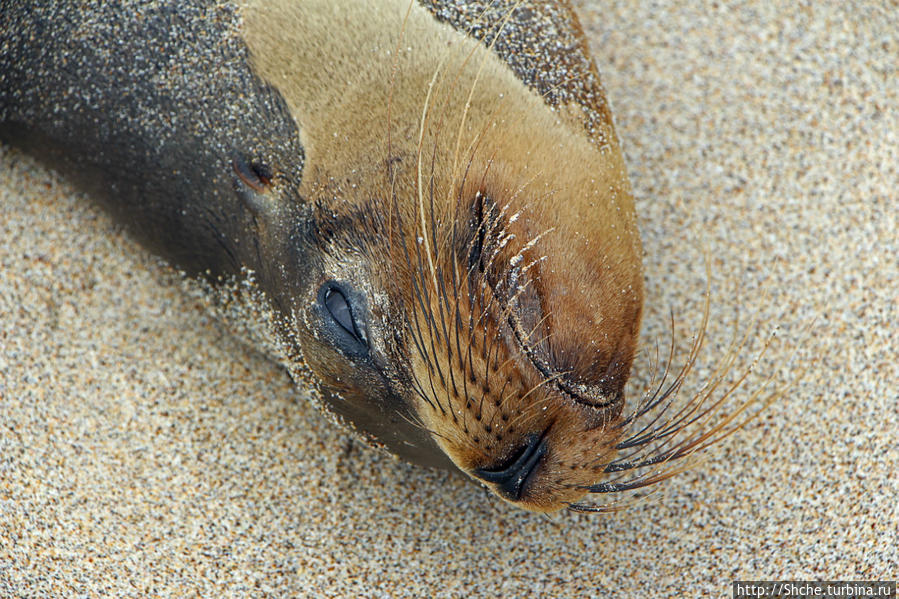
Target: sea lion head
(466,282)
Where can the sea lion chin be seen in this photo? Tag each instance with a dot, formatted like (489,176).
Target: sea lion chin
(430,199)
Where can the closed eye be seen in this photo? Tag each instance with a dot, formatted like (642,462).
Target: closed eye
(338,307)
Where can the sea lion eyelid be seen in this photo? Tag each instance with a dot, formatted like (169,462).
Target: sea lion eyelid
(337,304)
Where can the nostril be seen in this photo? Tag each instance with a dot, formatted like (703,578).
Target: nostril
(511,477)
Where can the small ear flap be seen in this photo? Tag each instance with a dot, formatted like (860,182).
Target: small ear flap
(252,183)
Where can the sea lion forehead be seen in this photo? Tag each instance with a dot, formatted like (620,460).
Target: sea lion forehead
(359,88)
(333,61)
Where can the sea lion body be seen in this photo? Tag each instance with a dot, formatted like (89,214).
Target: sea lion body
(436,217)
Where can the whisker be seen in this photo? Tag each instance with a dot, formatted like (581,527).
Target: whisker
(474,84)
(421,202)
(418,424)
(677,445)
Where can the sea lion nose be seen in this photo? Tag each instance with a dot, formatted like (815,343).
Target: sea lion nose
(510,478)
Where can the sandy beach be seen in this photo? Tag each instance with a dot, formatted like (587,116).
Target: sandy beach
(145,452)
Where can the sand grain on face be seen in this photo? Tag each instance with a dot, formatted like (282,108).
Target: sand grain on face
(144,452)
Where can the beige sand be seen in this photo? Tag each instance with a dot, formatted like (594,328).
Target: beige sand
(144,452)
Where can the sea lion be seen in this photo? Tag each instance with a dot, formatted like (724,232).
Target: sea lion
(423,204)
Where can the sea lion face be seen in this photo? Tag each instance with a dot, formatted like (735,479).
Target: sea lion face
(472,289)
(499,335)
